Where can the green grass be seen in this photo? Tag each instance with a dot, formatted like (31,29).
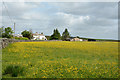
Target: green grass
(63,59)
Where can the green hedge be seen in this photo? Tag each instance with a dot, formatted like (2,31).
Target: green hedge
(21,38)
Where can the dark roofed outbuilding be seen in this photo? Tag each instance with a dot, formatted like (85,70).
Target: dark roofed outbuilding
(91,40)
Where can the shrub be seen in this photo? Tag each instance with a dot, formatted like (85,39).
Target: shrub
(21,38)
(14,70)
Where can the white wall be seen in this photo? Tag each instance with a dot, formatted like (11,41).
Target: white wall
(81,39)
(39,37)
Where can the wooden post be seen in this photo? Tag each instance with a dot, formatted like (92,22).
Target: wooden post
(14,30)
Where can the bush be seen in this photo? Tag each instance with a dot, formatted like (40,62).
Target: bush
(27,34)
(21,38)
(14,70)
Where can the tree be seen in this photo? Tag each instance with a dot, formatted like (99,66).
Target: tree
(31,36)
(78,37)
(7,32)
(56,35)
(65,35)
(1,31)
(53,35)
(27,34)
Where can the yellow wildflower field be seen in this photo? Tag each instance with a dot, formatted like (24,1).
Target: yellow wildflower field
(62,59)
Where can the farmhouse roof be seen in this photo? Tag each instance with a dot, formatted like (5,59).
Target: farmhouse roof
(38,34)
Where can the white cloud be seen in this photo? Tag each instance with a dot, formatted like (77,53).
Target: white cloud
(72,19)
(34,16)
(17,9)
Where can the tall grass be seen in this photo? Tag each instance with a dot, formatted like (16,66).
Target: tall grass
(14,71)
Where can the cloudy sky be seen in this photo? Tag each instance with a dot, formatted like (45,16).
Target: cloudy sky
(84,19)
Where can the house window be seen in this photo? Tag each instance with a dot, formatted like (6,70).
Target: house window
(42,38)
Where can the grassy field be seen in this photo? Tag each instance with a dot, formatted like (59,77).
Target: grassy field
(63,59)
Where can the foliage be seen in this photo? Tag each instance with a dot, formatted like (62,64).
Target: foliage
(21,38)
(1,31)
(27,34)
(56,35)
(65,35)
(7,32)
(14,70)
(48,37)
(62,59)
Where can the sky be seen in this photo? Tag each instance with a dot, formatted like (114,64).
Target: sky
(85,19)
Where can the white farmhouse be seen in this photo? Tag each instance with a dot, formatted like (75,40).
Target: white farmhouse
(37,36)
(18,35)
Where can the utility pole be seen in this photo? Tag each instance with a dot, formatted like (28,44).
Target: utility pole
(14,30)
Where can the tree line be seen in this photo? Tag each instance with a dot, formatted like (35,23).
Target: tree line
(7,33)
(56,35)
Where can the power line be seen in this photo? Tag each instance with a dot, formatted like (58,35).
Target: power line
(9,17)
(8,12)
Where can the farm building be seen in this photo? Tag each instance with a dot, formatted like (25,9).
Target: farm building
(76,39)
(18,35)
(37,36)
(91,40)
